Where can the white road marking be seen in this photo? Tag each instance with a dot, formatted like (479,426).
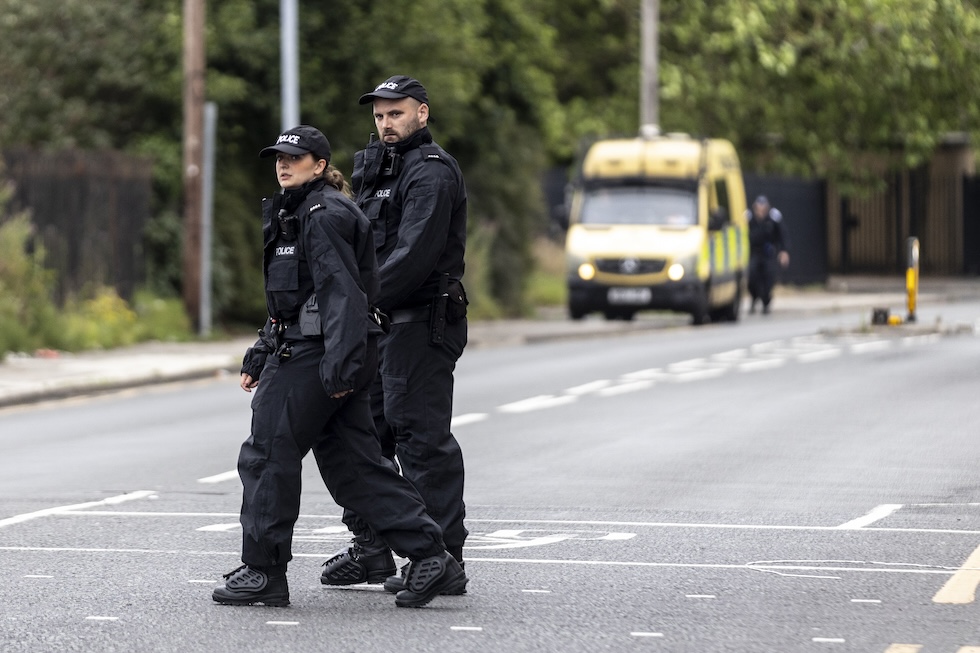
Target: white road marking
(220,478)
(467,628)
(38,576)
(282,623)
(867,347)
(730,356)
(877,514)
(819,355)
(699,375)
(536,591)
(221,528)
(624,388)
(618,536)
(765,364)
(650,374)
(60,510)
(97,618)
(700,596)
(643,634)
(582,522)
(587,388)
(865,600)
(829,640)
(203,582)
(331,530)
(904,648)
(469,418)
(536,403)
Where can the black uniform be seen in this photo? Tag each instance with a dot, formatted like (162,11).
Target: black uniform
(767,238)
(318,243)
(413,193)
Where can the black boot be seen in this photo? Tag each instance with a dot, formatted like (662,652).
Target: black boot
(396,584)
(249,585)
(428,577)
(368,560)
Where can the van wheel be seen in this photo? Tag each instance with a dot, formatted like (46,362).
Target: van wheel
(729,313)
(576,312)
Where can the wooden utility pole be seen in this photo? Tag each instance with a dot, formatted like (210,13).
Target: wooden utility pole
(193,153)
(649,79)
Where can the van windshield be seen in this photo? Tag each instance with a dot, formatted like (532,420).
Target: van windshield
(639,205)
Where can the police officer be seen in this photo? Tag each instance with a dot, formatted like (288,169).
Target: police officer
(413,192)
(768,247)
(312,369)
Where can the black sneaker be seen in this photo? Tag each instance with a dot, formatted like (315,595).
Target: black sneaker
(249,585)
(356,565)
(395,584)
(428,577)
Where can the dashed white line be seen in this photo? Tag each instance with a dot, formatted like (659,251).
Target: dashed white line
(700,596)
(819,355)
(877,514)
(467,628)
(469,418)
(98,618)
(874,345)
(865,600)
(765,364)
(829,640)
(536,403)
(536,591)
(130,496)
(38,576)
(623,388)
(586,388)
(220,478)
(282,623)
(643,634)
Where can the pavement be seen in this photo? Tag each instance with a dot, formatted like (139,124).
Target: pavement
(47,375)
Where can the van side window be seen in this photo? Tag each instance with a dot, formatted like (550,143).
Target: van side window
(721,192)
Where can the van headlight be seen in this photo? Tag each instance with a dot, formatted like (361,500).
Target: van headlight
(586,271)
(675,272)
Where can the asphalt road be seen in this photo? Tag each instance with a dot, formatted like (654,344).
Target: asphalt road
(789,483)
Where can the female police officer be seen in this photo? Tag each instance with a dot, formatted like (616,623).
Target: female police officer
(312,367)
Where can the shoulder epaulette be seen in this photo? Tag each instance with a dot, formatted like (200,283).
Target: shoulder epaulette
(430,152)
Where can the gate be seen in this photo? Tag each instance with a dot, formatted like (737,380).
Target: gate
(89,210)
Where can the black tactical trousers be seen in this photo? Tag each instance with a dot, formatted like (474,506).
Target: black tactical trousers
(412,402)
(292,414)
(762,277)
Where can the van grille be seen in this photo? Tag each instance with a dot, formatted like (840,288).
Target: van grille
(630,265)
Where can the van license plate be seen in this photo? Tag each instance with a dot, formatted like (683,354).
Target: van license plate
(629,296)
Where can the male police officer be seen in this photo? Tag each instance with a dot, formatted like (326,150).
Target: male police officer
(768,244)
(413,192)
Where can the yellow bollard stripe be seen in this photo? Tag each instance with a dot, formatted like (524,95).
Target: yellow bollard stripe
(962,585)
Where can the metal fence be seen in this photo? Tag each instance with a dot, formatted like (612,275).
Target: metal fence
(89,210)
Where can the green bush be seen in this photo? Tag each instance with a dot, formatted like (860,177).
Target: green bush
(30,320)
(28,317)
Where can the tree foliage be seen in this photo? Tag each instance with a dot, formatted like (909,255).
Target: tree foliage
(515,86)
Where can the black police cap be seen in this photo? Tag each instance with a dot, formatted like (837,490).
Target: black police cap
(300,140)
(395,87)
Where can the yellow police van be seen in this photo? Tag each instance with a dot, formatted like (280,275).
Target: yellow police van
(658,222)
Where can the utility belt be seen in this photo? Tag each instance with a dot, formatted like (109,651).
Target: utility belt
(447,307)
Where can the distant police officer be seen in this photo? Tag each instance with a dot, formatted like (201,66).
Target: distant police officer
(768,247)
(414,195)
(313,366)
